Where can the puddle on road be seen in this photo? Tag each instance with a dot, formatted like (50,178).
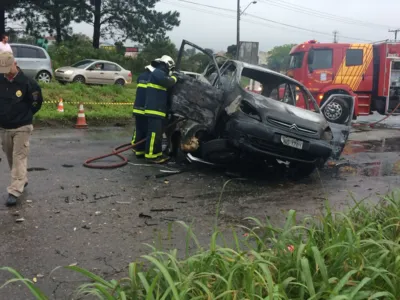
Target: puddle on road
(385,145)
(110,134)
(381,158)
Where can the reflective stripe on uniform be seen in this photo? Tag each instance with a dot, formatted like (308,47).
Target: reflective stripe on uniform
(174,78)
(154,112)
(142,85)
(138,111)
(152,141)
(156,86)
(139,152)
(133,138)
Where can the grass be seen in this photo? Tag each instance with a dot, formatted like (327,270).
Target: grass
(353,255)
(96,114)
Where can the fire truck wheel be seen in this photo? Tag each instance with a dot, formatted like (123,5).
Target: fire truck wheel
(337,111)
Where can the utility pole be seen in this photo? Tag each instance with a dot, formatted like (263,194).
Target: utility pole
(395,33)
(238,30)
(335,36)
(239,13)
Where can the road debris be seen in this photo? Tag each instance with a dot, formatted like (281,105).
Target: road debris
(36,169)
(142,215)
(20,220)
(67,166)
(100,197)
(86,226)
(97,213)
(161,209)
(29,201)
(119,202)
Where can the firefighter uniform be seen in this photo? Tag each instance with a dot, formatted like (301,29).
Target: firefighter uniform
(156,110)
(138,112)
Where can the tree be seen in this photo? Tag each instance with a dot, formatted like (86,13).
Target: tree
(130,19)
(6,6)
(51,16)
(231,51)
(279,58)
(120,48)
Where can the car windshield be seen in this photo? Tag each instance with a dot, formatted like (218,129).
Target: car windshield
(296,60)
(82,64)
(277,87)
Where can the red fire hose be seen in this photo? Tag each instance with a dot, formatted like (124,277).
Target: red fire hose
(116,152)
(374,123)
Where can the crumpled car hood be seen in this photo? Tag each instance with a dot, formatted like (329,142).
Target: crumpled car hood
(279,111)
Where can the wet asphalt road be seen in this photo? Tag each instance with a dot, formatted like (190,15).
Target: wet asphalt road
(100,219)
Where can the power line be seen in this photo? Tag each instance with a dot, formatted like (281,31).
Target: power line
(320,14)
(260,18)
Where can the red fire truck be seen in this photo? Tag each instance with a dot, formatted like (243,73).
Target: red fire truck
(369,72)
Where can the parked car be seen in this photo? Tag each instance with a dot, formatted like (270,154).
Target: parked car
(93,71)
(34,61)
(224,122)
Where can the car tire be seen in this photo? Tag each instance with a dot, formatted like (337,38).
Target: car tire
(79,79)
(43,76)
(218,151)
(120,82)
(300,170)
(337,111)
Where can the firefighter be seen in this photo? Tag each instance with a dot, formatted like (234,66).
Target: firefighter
(140,131)
(156,107)
(20,99)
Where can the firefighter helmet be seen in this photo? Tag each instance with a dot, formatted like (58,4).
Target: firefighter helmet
(168,61)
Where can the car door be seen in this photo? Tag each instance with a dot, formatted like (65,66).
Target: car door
(94,75)
(28,59)
(111,73)
(340,131)
(194,99)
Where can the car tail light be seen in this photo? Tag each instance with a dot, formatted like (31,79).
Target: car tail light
(130,74)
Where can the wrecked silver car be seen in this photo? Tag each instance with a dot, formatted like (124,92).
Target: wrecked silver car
(225,122)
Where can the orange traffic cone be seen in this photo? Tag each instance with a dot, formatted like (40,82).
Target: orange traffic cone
(81,121)
(60,107)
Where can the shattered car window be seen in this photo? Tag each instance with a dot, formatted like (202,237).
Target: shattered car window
(278,88)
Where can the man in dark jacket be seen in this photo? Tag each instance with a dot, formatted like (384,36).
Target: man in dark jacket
(156,107)
(20,99)
(138,112)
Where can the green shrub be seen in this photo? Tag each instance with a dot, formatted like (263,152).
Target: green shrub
(337,256)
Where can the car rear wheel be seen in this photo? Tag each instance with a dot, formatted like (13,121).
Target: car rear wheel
(337,111)
(43,76)
(120,82)
(79,79)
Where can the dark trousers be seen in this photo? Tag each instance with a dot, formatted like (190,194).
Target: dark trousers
(155,128)
(139,134)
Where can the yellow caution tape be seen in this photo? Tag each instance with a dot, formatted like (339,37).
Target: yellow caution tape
(89,103)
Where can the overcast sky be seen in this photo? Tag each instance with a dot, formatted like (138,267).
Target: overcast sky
(367,20)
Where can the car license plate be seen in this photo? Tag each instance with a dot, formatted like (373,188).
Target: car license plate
(287,141)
